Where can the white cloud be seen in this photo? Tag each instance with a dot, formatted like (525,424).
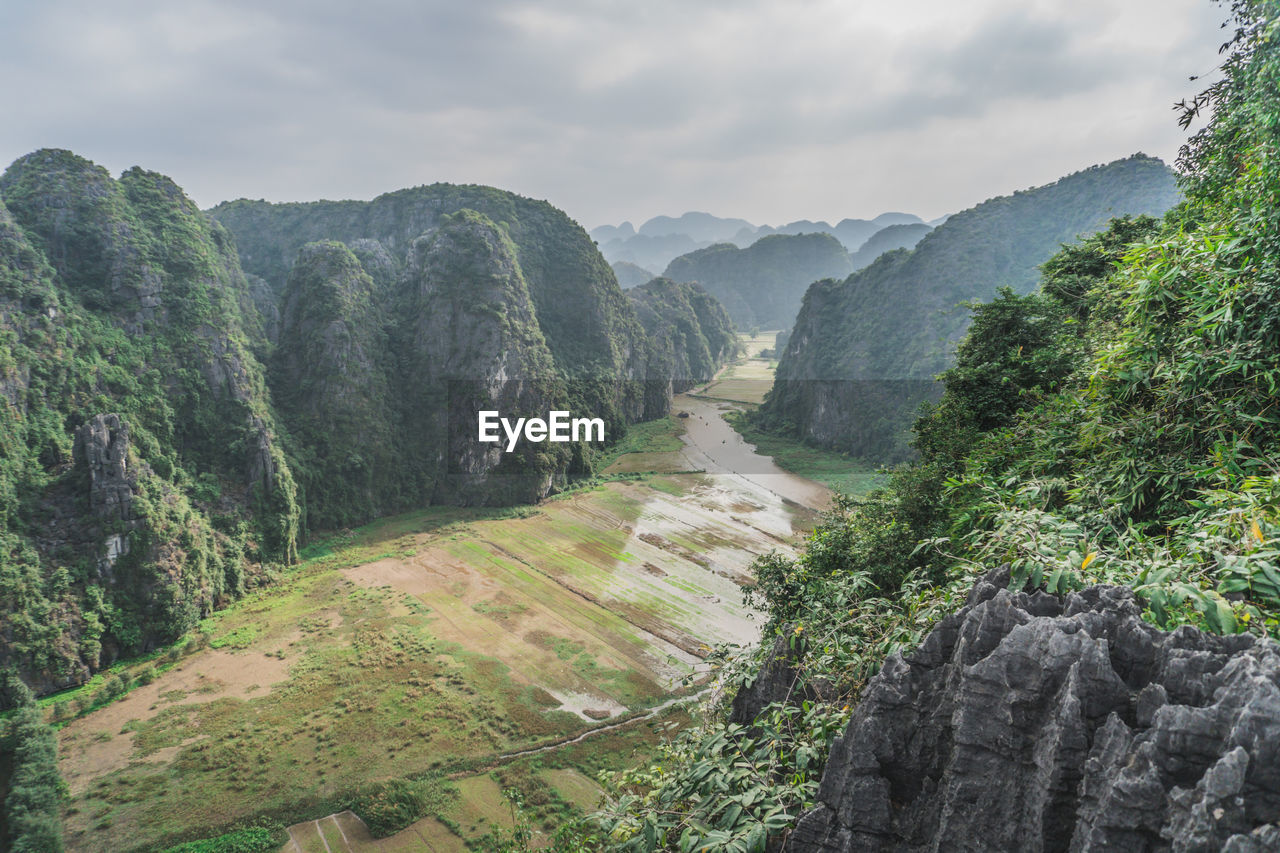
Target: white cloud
(772,111)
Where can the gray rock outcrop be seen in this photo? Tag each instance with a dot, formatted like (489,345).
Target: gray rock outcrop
(102,446)
(1037,723)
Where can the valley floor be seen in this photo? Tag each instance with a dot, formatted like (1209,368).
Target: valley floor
(435,645)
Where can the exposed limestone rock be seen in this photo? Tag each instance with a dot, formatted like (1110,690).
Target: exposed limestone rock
(376,261)
(477,342)
(597,345)
(102,446)
(1031,722)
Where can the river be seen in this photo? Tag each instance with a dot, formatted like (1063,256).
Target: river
(712,445)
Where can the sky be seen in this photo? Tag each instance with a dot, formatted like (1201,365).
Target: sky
(768,111)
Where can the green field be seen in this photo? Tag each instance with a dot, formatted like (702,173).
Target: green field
(747,379)
(427,646)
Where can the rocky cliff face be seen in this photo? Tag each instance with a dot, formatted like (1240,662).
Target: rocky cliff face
(330,376)
(864,350)
(142,480)
(475,340)
(1038,723)
(476,299)
(596,343)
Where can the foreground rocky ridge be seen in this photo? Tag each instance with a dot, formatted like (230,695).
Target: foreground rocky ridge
(1040,723)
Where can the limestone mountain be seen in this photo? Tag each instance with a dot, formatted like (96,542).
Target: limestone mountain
(663,238)
(142,481)
(865,350)
(763,284)
(629,275)
(472,334)
(692,333)
(648,251)
(605,233)
(331,375)
(699,226)
(451,297)
(595,341)
(853,233)
(171,426)
(903,236)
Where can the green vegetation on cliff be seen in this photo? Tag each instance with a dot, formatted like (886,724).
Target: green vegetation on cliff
(141,478)
(581,310)
(692,335)
(629,275)
(441,301)
(1117,427)
(32,804)
(865,350)
(600,352)
(330,373)
(147,457)
(762,285)
(887,239)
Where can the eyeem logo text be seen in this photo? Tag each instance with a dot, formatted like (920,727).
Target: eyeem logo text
(558,427)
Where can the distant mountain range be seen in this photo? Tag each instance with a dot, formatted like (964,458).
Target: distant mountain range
(663,238)
(762,285)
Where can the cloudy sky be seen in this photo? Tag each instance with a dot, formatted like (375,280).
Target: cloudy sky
(772,111)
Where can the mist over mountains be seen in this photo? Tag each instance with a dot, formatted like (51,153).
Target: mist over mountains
(661,239)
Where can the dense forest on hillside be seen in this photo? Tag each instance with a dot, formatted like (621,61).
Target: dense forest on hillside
(886,240)
(865,350)
(142,474)
(629,275)
(415,327)
(697,337)
(1116,426)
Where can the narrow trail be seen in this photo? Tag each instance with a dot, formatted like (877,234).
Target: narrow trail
(608,727)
